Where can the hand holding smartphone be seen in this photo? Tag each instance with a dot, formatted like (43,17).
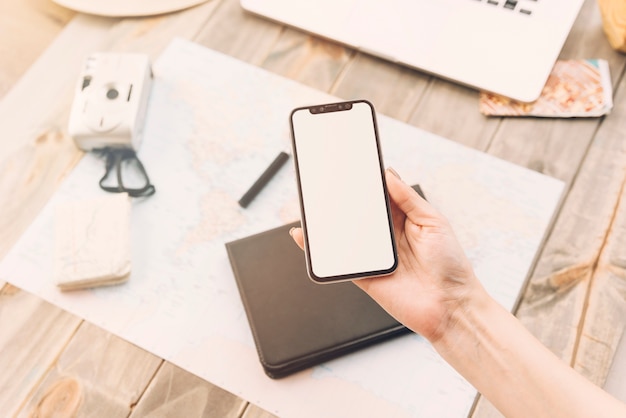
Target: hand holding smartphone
(346,216)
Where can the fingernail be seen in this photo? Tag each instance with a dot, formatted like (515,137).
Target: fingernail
(293,228)
(394,172)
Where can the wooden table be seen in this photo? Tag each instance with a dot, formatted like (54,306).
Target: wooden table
(53,361)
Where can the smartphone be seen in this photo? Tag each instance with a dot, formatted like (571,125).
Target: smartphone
(346,216)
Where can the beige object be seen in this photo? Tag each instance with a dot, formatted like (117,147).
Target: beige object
(614,22)
(92,245)
(122,8)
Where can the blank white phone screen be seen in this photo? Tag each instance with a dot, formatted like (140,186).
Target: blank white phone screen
(345,214)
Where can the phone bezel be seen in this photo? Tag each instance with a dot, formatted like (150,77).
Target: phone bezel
(339,107)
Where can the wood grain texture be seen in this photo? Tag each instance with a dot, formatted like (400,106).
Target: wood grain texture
(29,177)
(451,111)
(586,161)
(98,374)
(239,34)
(606,312)
(556,147)
(177,393)
(150,35)
(615,382)
(32,335)
(309,60)
(36,153)
(394,90)
(566,149)
(253,411)
(557,291)
(285,52)
(20,45)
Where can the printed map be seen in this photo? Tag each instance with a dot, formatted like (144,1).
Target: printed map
(214,124)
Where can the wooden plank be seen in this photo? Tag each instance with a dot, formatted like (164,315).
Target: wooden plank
(32,334)
(20,45)
(287,52)
(394,90)
(35,153)
(307,59)
(150,35)
(253,411)
(328,66)
(98,374)
(238,33)
(557,148)
(451,110)
(606,312)
(175,392)
(566,149)
(615,383)
(558,288)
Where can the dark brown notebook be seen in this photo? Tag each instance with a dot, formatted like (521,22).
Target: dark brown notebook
(296,323)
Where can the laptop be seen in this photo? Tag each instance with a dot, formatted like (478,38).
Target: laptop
(507,47)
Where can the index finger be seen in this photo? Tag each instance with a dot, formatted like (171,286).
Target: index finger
(416,209)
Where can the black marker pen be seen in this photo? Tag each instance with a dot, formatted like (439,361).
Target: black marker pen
(263,179)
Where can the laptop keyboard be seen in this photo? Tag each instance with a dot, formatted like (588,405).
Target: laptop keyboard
(524,7)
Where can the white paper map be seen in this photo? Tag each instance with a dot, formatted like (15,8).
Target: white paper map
(214,124)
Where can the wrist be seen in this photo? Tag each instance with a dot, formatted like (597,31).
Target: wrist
(466,321)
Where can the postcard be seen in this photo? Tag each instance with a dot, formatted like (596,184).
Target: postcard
(575,88)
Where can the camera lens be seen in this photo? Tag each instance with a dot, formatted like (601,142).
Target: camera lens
(112,94)
(348,105)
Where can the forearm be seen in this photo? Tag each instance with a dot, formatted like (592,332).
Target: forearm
(510,367)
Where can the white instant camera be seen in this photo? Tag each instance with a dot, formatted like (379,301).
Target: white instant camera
(110,101)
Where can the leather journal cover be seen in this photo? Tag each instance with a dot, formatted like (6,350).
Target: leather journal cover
(296,323)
